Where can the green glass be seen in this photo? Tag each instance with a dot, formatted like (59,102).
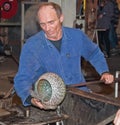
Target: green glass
(44,90)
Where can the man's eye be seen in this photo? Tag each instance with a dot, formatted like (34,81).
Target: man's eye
(42,24)
(51,22)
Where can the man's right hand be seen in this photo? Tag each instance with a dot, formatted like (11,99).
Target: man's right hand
(37,103)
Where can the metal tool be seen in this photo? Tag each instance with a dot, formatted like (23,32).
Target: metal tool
(10,93)
(91,82)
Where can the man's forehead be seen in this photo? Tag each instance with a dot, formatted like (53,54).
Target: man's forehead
(47,11)
(47,7)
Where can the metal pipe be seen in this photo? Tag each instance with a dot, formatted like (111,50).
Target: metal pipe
(91,82)
(116,84)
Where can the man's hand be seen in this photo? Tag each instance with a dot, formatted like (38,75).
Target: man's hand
(100,16)
(107,78)
(117,118)
(37,103)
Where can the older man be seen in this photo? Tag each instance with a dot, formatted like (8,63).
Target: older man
(56,49)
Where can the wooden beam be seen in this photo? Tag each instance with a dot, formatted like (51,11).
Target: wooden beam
(95,96)
(107,120)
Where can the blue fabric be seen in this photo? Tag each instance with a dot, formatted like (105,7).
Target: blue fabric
(39,56)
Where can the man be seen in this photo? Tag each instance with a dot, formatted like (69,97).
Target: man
(104,14)
(117,118)
(56,49)
(114,24)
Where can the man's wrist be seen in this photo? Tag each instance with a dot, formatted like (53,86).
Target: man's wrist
(28,100)
(105,72)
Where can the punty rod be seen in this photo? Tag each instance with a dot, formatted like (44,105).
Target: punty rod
(91,82)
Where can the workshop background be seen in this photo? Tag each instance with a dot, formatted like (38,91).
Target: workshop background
(17,23)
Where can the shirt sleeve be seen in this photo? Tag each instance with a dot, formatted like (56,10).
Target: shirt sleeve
(92,53)
(30,68)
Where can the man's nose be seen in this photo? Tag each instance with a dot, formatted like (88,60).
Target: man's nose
(47,27)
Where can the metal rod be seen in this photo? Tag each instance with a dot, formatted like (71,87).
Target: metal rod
(116,84)
(11,92)
(91,82)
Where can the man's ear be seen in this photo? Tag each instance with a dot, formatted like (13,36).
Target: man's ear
(61,18)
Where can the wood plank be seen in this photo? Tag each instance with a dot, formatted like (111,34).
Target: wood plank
(49,120)
(107,120)
(4,112)
(95,96)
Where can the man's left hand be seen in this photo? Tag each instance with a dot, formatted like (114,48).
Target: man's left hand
(107,78)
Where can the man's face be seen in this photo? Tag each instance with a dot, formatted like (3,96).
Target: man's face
(50,22)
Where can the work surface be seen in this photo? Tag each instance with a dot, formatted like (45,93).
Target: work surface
(9,67)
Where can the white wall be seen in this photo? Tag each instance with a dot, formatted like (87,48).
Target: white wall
(69,11)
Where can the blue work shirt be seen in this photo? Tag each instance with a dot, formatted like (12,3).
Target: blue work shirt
(39,56)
